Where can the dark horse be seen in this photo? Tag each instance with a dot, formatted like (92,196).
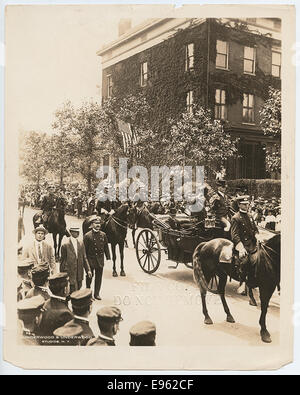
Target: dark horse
(56,223)
(266,271)
(115,228)
(140,219)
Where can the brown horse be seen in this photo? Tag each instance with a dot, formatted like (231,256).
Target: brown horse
(265,272)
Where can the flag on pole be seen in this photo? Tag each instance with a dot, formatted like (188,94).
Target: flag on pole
(128,135)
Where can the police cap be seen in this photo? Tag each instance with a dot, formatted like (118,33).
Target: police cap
(31,305)
(143,334)
(81,298)
(58,279)
(109,313)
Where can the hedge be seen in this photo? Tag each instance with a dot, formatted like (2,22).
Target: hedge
(266,188)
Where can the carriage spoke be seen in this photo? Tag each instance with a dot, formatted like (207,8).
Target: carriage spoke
(145,261)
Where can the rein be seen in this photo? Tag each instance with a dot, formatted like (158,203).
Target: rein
(119,223)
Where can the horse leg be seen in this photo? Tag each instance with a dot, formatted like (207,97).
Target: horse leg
(252,300)
(113,249)
(207,319)
(221,290)
(265,296)
(61,235)
(121,249)
(133,236)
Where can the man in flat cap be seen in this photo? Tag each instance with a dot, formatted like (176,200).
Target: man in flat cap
(29,314)
(68,335)
(81,301)
(74,260)
(243,235)
(109,318)
(143,334)
(40,276)
(56,312)
(39,250)
(96,245)
(219,204)
(24,276)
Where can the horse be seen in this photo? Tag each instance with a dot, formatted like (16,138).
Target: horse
(266,272)
(139,219)
(55,224)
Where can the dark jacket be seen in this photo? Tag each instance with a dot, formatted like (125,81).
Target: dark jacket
(38,291)
(96,245)
(243,229)
(48,202)
(74,264)
(56,314)
(219,205)
(87,333)
(101,341)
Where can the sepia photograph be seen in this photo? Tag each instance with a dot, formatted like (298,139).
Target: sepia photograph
(149,177)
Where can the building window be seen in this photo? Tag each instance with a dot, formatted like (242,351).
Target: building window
(249,60)
(189,57)
(109,86)
(144,74)
(276,64)
(222,54)
(248,108)
(220,104)
(189,101)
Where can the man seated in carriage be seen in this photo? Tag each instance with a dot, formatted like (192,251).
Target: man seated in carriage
(48,204)
(219,204)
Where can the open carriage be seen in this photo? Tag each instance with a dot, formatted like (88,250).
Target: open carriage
(177,237)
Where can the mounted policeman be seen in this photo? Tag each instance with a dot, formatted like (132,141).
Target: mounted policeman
(219,204)
(48,204)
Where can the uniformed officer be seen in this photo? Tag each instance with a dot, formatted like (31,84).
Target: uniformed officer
(96,245)
(29,314)
(82,301)
(56,312)
(220,205)
(243,234)
(48,204)
(24,276)
(68,335)
(40,276)
(109,318)
(143,334)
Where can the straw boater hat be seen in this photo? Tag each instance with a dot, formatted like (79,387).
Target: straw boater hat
(40,229)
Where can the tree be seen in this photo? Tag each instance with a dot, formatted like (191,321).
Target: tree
(33,155)
(196,139)
(270,120)
(62,155)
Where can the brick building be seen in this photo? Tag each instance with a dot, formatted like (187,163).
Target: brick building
(226,65)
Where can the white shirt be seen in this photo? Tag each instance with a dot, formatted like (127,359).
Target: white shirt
(74,241)
(37,243)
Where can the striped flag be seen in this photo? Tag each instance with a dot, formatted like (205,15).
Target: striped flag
(128,135)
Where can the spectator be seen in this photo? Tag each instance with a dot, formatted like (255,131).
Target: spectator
(143,334)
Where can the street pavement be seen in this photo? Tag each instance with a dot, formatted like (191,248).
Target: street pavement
(171,299)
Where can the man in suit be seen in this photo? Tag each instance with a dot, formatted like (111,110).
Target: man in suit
(39,277)
(108,318)
(82,306)
(56,312)
(220,205)
(96,245)
(29,314)
(243,236)
(39,250)
(74,260)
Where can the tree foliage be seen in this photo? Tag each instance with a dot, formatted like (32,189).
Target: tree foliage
(196,139)
(270,120)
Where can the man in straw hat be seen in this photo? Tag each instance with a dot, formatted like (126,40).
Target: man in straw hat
(39,250)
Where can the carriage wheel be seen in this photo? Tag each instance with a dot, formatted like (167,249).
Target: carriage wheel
(148,251)
(213,284)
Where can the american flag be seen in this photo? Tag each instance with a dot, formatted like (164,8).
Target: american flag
(128,135)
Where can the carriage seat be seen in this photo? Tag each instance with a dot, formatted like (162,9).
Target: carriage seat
(180,223)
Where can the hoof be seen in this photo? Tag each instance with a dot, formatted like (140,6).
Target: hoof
(244,293)
(252,302)
(230,319)
(265,337)
(208,321)
(115,274)
(122,273)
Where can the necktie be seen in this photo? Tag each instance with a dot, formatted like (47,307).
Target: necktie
(39,251)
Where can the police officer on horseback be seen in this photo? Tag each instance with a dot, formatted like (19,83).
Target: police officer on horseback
(219,204)
(243,235)
(48,204)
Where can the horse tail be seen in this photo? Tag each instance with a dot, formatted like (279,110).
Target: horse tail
(198,274)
